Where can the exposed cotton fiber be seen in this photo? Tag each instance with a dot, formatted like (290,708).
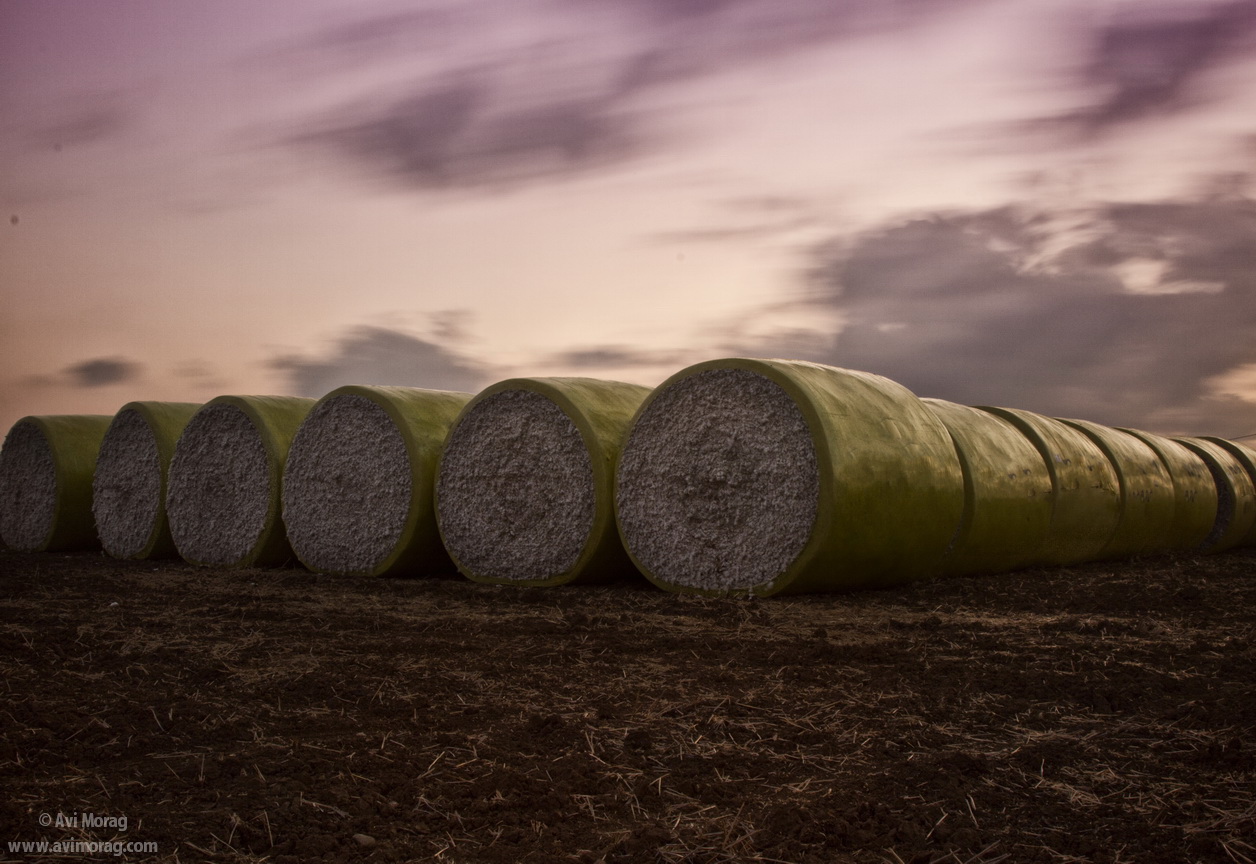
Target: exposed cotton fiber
(347,486)
(515,495)
(718,481)
(28,488)
(126,491)
(219,491)
(46,468)
(129,485)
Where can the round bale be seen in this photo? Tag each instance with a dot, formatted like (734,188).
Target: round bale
(1194,492)
(1236,495)
(1007,493)
(46,470)
(524,487)
(1146,489)
(129,486)
(1247,458)
(357,488)
(1086,490)
(223,500)
(760,477)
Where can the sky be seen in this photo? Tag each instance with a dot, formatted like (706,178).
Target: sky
(1046,204)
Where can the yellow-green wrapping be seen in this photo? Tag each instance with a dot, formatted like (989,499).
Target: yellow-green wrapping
(1247,458)
(276,419)
(601,411)
(1007,493)
(74,442)
(423,418)
(1236,495)
(1146,489)
(1194,492)
(1087,496)
(167,421)
(891,489)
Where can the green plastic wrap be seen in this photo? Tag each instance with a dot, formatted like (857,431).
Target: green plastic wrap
(1194,492)
(600,411)
(1236,495)
(1087,495)
(1007,493)
(1247,458)
(1147,495)
(274,421)
(888,487)
(46,471)
(114,492)
(326,501)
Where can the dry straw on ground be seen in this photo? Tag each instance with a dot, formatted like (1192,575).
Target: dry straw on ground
(1097,714)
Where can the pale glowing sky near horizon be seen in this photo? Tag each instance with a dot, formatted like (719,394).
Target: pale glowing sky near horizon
(1045,204)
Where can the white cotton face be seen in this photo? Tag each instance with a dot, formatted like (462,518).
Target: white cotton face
(126,488)
(28,488)
(718,486)
(347,486)
(219,487)
(515,495)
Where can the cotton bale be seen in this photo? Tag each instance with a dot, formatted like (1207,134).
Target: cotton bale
(223,496)
(1247,458)
(129,484)
(524,486)
(46,468)
(1086,491)
(358,483)
(760,477)
(1146,488)
(1236,495)
(1008,496)
(1194,492)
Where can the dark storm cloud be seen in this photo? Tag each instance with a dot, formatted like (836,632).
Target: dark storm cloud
(579,97)
(704,35)
(83,125)
(613,357)
(1150,60)
(992,308)
(456,133)
(386,33)
(102,371)
(376,355)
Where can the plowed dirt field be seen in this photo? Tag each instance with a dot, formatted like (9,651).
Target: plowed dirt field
(1103,713)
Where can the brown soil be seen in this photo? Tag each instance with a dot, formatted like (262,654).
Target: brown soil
(1100,713)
